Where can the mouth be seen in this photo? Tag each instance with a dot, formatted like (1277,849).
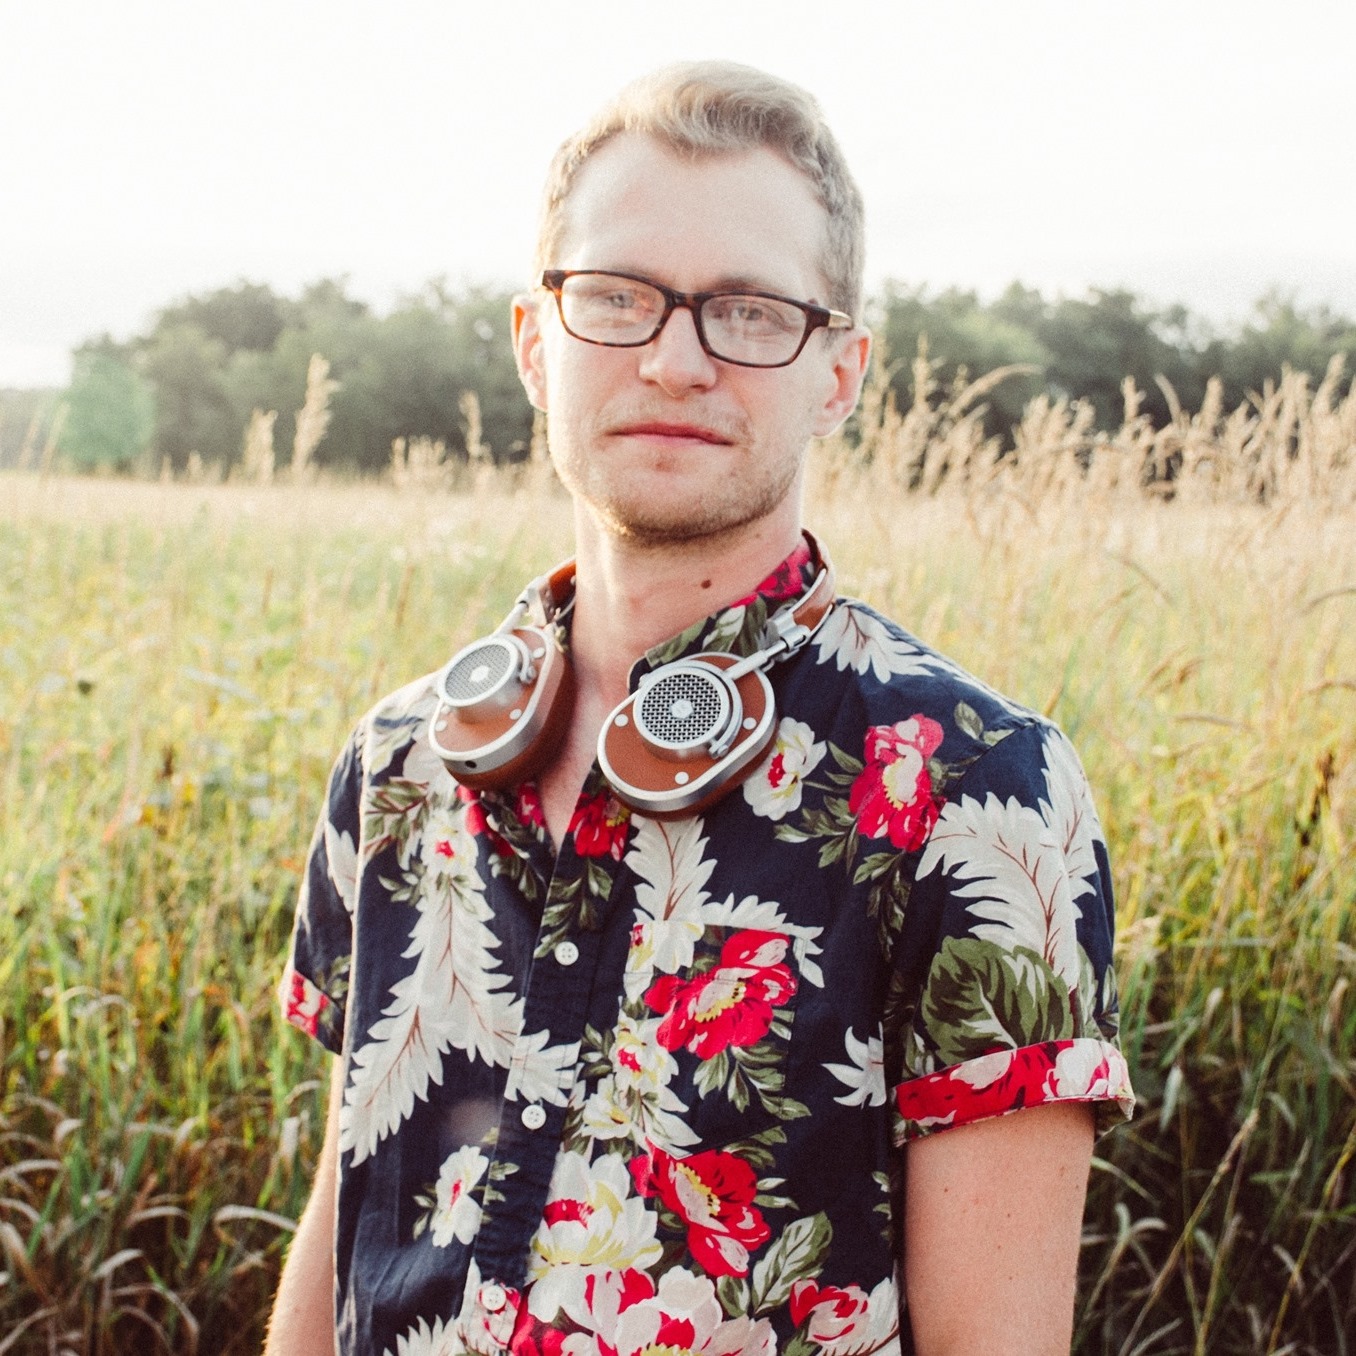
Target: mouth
(663,430)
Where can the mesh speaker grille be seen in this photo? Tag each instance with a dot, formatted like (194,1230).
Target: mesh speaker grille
(683,710)
(478,672)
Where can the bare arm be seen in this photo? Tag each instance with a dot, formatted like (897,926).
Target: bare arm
(303,1312)
(992,1218)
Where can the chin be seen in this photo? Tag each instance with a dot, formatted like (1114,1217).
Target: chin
(650,524)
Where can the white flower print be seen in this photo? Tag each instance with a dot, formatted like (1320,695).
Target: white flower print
(593,1220)
(634,1102)
(846,1321)
(625,1319)
(423,765)
(864,1075)
(1089,1069)
(456,1213)
(659,946)
(773,789)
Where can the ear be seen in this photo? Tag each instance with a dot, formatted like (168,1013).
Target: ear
(849,361)
(527,349)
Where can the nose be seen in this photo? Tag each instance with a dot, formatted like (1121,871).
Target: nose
(675,359)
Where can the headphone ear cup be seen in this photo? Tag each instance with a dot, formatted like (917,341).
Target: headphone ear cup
(504,704)
(687,736)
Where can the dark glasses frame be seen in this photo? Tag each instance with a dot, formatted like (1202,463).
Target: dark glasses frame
(816,317)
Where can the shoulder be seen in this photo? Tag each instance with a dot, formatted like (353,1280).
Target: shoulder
(863,661)
(909,705)
(390,738)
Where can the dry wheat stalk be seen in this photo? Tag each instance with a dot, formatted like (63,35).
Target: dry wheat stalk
(314,416)
(477,449)
(257,458)
(420,464)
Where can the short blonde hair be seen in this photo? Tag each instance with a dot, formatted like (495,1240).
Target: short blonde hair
(703,108)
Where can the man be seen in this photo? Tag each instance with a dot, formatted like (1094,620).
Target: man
(726,1077)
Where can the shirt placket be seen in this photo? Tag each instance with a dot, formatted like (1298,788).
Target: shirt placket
(559,987)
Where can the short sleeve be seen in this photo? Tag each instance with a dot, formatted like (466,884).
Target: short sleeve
(314,988)
(1015,1004)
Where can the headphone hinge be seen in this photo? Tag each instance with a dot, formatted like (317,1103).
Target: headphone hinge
(785,635)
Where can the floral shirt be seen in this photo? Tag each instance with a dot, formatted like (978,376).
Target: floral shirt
(651,1091)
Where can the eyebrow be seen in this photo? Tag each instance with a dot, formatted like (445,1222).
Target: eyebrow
(728,282)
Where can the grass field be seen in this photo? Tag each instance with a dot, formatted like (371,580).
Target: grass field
(179,663)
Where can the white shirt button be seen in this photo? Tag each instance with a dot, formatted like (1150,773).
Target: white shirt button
(493,1297)
(534,1116)
(566,953)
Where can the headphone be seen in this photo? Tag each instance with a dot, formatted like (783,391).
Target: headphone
(689,734)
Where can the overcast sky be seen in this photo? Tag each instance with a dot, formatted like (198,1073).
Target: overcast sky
(1199,151)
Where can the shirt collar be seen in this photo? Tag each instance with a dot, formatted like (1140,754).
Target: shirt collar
(738,628)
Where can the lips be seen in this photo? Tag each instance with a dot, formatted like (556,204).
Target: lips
(665,429)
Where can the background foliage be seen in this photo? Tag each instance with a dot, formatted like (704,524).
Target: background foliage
(207,362)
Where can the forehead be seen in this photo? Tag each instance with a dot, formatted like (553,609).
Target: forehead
(745,217)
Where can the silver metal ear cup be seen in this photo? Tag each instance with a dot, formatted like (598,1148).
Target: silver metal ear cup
(688,710)
(504,703)
(687,735)
(490,672)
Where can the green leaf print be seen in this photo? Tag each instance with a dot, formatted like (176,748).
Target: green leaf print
(968,720)
(733,1292)
(756,1151)
(851,766)
(673,649)
(390,813)
(797,1255)
(981,997)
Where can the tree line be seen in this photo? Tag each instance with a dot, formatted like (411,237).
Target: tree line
(190,384)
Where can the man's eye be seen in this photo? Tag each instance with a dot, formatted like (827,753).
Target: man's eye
(614,300)
(749,310)
(738,310)
(758,315)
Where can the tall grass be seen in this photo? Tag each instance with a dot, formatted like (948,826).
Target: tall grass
(179,663)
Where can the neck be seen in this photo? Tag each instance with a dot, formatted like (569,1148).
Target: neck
(630,596)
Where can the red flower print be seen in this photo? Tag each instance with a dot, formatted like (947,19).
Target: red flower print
(834,1314)
(730,1004)
(576,1212)
(529,807)
(608,1293)
(1079,1070)
(892,795)
(532,1337)
(478,824)
(600,826)
(776,771)
(712,1193)
(784,582)
(305,1003)
(986,1086)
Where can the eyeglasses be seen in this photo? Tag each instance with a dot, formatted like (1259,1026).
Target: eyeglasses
(749,329)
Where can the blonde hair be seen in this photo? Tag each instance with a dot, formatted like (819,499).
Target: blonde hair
(702,108)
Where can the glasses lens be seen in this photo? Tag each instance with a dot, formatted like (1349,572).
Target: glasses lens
(606,309)
(760,331)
